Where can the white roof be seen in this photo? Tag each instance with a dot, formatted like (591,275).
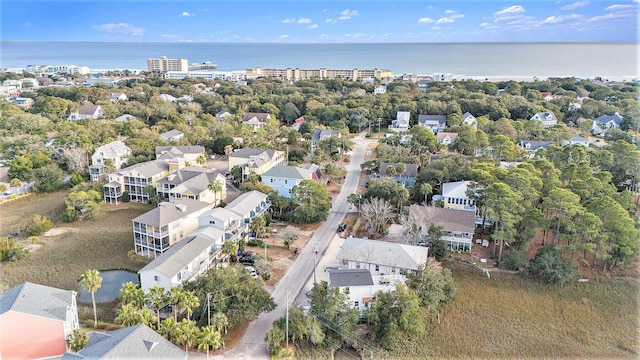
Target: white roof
(172,261)
(383,253)
(456,189)
(246,202)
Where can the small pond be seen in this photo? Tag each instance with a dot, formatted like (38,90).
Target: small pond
(112,281)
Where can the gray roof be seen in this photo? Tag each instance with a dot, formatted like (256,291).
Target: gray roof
(383,253)
(535,144)
(147,169)
(432,119)
(199,183)
(113,149)
(180,176)
(171,133)
(125,117)
(246,202)
(179,255)
(179,150)
(449,219)
(411,170)
(88,109)
(133,342)
(248,152)
(350,277)
(319,134)
(290,172)
(616,118)
(166,213)
(261,117)
(38,300)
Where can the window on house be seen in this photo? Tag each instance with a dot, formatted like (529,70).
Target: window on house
(286,181)
(356,304)
(156,278)
(357,265)
(393,270)
(179,276)
(271,180)
(377,267)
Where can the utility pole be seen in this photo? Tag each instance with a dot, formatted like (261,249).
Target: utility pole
(286,322)
(209,309)
(315,251)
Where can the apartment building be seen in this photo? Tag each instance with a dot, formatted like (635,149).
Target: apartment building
(321,74)
(135,178)
(164,64)
(192,183)
(108,157)
(159,228)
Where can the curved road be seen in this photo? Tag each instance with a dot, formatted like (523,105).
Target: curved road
(252,344)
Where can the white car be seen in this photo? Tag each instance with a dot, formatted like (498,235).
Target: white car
(485,243)
(252,271)
(8,192)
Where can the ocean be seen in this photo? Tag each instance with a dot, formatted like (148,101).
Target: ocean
(585,60)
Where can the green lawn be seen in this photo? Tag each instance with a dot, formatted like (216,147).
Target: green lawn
(509,316)
(101,243)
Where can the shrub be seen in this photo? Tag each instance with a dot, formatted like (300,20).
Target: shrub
(39,225)
(550,267)
(125,196)
(515,260)
(255,242)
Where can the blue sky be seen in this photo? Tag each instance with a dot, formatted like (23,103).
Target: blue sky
(328,21)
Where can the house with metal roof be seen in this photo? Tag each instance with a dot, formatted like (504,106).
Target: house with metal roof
(115,154)
(381,258)
(35,321)
(321,134)
(283,178)
(168,223)
(184,261)
(172,135)
(133,342)
(254,160)
(603,123)
(458,226)
(192,183)
(190,154)
(435,123)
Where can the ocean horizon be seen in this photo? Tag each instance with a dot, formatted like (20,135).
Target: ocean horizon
(615,61)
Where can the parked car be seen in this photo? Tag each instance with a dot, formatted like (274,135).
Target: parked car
(342,227)
(246,259)
(8,192)
(252,271)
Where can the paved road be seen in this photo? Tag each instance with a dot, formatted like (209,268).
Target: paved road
(252,345)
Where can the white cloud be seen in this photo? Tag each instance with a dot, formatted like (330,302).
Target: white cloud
(425,20)
(288,21)
(515,9)
(607,17)
(285,36)
(120,28)
(347,12)
(304,21)
(455,16)
(619,7)
(445,20)
(449,11)
(331,21)
(560,19)
(575,5)
(171,36)
(27,24)
(312,26)
(297,21)
(186,14)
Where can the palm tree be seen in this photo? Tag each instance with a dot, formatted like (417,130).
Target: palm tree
(400,168)
(189,302)
(131,294)
(219,321)
(216,186)
(92,281)
(209,339)
(189,333)
(391,170)
(128,315)
(170,329)
(148,318)
(157,297)
(426,189)
(228,149)
(175,296)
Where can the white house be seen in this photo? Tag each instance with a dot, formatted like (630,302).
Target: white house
(253,160)
(576,140)
(183,262)
(117,96)
(458,226)
(603,123)
(445,138)
(547,118)
(468,119)
(192,183)
(402,122)
(357,284)
(532,146)
(172,135)
(283,178)
(87,111)
(381,258)
(380,89)
(435,123)
(190,154)
(256,120)
(115,152)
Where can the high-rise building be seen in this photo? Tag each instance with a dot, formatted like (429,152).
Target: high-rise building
(163,64)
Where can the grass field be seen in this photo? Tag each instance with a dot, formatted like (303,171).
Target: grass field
(101,243)
(509,316)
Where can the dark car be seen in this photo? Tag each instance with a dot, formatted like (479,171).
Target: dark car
(246,259)
(342,227)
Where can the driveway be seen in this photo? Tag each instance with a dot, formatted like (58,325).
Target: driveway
(252,344)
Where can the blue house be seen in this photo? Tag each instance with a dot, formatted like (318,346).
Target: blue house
(283,178)
(407,178)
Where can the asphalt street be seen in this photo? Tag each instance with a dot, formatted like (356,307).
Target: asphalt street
(252,344)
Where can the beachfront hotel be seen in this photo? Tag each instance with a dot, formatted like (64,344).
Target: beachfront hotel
(163,64)
(322,73)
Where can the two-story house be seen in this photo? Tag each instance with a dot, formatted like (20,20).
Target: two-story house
(108,158)
(133,179)
(253,160)
(192,183)
(603,123)
(172,135)
(182,262)
(283,178)
(458,226)
(168,223)
(256,120)
(435,123)
(319,135)
(35,321)
(446,138)
(357,284)
(532,146)
(468,119)
(25,103)
(386,261)
(547,118)
(86,111)
(576,140)
(406,178)
(192,155)
(402,122)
